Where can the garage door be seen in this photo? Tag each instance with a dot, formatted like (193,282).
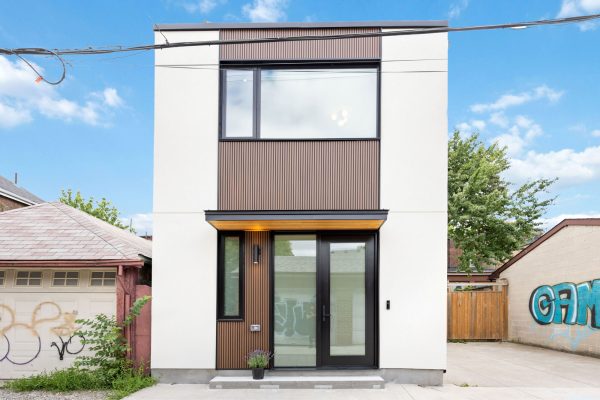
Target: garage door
(38,309)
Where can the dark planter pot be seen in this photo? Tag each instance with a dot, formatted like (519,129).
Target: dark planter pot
(258,373)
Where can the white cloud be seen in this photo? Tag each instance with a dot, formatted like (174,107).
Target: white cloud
(570,166)
(519,135)
(21,98)
(548,223)
(12,116)
(510,100)
(111,98)
(265,10)
(142,223)
(572,8)
(475,125)
(201,6)
(596,133)
(457,8)
(498,118)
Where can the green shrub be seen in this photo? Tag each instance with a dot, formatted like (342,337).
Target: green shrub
(64,380)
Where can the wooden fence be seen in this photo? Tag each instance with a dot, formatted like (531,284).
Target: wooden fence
(478,314)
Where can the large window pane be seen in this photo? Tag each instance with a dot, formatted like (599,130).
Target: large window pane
(318,103)
(231,278)
(238,103)
(295,300)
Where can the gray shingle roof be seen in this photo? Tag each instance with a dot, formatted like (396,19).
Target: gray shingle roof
(55,231)
(10,190)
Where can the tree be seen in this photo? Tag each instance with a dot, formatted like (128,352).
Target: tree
(488,217)
(102,209)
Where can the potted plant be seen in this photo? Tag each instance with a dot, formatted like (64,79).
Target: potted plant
(258,360)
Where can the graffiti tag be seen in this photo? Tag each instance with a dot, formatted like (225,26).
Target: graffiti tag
(66,328)
(567,303)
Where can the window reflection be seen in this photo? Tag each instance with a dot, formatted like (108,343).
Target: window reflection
(238,104)
(318,103)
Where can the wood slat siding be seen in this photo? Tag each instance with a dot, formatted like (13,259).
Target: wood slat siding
(234,339)
(303,175)
(478,315)
(342,49)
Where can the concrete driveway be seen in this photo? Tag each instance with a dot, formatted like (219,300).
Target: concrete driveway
(496,364)
(476,371)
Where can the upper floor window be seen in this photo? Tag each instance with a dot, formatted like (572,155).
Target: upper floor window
(2,278)
(299,103)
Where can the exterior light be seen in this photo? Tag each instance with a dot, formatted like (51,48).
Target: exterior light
(255,254)
(519,27)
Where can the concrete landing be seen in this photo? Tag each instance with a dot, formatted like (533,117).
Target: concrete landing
(298,382)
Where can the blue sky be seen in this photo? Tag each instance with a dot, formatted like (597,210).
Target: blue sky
(535,90)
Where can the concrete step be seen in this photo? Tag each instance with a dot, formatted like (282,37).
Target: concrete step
(298,382)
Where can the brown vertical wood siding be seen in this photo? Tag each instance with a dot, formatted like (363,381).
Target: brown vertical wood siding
(299,175)
(339,49)
(234,339)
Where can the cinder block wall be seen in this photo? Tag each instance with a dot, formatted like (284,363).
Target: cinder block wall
(571,255)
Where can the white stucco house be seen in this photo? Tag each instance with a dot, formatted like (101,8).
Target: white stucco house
(300,200)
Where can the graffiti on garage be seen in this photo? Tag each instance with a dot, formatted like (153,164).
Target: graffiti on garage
(66,328)
(567,303)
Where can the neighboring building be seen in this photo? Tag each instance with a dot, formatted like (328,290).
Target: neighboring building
(58,264)
(13,196)
(454,275)
(300,200)
(554,289)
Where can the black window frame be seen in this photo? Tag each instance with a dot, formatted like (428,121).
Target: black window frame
(221,277)
(258,67)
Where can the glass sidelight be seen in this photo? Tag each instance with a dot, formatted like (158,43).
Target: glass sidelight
(324,300)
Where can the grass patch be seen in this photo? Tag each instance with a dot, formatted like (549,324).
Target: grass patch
(128,384)
(65,380)
(72,379)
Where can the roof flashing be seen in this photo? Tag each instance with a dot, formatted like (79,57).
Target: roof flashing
(215,26)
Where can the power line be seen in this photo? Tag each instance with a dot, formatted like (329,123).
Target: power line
(19,52)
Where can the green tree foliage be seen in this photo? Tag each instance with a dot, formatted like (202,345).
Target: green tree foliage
(488,218)
(102,209)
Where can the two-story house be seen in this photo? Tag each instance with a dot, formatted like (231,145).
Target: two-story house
(300,199)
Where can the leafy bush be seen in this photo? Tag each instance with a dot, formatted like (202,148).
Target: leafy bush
(108,345)
(258,359)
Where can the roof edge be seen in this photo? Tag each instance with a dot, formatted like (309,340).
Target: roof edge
(211,26)
(72,263)
(533,245)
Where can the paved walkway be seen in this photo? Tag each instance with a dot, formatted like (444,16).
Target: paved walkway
(476,371)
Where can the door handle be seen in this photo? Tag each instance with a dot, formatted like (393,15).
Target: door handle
(324,314)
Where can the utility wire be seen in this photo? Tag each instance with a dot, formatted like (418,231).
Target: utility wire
(19,52)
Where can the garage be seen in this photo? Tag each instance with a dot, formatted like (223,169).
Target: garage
(57,265)
(554,289)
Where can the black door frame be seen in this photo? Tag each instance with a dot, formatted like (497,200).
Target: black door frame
(373,345)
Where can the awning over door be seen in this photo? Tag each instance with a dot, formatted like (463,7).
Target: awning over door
(291,220)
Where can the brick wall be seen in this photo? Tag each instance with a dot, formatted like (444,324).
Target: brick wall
(9,204)
(571,255)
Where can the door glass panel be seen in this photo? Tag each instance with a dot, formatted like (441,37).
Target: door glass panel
(347,299)
(295,300)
